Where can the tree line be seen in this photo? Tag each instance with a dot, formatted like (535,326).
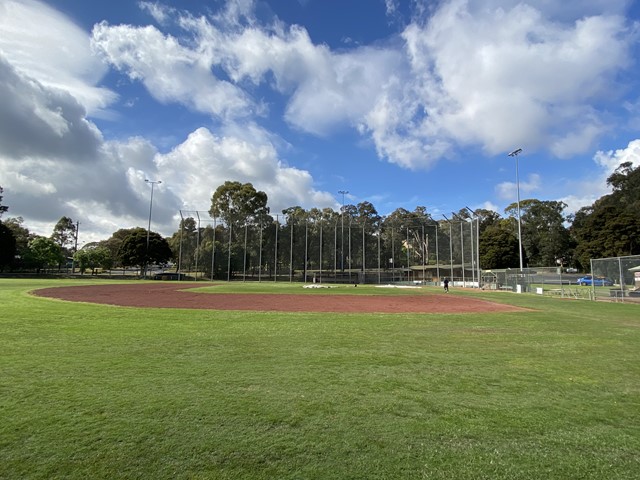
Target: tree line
(609,227)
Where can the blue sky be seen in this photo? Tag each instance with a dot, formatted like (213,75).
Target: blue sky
(402,103)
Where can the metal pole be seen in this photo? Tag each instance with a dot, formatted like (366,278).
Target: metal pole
(291,251)
(306,249)
(335,251)
(343,192)
(180,249)
(244,263)
(408,259)
(451,250)
(473,258)
(515,154)
(393,259)
(320,279)
(478,251)
(464,283)
(275,267)
(621,279)
(260,257)
(213,248)
(363,255)
(197,244)
(379,235)
(425,252)
(450,246)
(229,254)
(153,183)
(350,249)
(75,249)
(437,254)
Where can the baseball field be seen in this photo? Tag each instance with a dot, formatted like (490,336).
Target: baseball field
(168,380)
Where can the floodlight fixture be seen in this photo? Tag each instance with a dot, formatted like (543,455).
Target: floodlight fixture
(516,152)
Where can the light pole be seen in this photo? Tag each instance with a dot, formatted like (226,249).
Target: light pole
(515,154)
(153,183)
(343,193)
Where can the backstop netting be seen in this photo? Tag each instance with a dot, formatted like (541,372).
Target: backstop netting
(340,250)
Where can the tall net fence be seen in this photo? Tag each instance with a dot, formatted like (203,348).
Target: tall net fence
(341,250)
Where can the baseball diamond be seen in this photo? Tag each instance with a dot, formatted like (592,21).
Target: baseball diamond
(178,295)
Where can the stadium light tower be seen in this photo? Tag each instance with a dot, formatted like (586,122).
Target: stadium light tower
(343,193)
(153,183)
(515,154)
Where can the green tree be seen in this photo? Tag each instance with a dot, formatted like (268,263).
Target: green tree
(236,203)
(114,242)
(64,233)
(545,238)
(184,243)
(244,211)
(499,246)
(44,252)
(7,247)
(22,237)
(134,251)
(3,208)
(93,257)
(7,240)
(611,226)
(404,236)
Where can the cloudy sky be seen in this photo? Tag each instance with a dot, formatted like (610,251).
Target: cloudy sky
(399,102)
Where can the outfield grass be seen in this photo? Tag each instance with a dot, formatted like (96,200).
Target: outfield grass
(93,391)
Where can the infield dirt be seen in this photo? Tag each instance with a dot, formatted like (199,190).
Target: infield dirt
(174,295)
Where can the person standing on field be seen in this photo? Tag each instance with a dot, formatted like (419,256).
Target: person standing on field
(446,284)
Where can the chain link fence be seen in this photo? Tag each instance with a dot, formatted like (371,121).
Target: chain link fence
(616,278)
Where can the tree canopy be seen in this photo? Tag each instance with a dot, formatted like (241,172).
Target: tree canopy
(92,257)
(3,208)
(611,226)
(608,228)
(64,233)
(7,246)
(236,203)
(134,252)
(44,252)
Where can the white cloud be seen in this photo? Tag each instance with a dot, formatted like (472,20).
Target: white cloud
(63,61)
(498,77)
(509,190)
(160,13)
(170,71)
(490,73)
(42,121)
(218,159)
(493,74)
(391,6)
(612,159)
(596,186)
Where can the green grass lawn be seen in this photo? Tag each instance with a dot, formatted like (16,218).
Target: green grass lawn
(92,391)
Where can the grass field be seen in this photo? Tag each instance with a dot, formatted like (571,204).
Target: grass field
(91,391)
